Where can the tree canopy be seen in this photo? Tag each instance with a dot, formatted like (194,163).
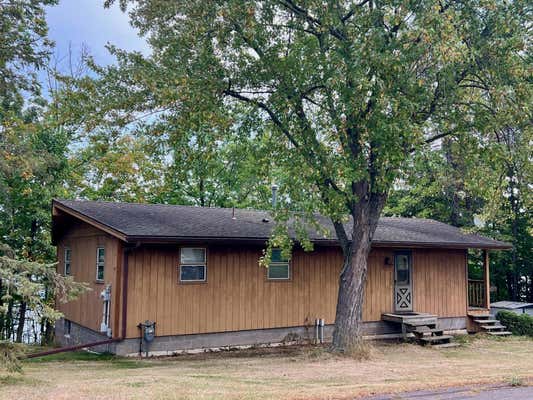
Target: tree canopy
(342,95)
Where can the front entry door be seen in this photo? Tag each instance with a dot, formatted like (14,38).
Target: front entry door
(403,286)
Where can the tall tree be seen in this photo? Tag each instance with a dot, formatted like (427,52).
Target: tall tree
(25,47)
(346,90)
(32,147)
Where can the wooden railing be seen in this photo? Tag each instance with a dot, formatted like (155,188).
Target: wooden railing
(476,293)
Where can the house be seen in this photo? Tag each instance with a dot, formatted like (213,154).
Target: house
(518,307)
(194,272)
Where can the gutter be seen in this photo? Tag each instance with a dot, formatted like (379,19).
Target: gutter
(125,268)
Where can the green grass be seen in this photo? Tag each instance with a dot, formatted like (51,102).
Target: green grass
(108,360)
(73,356)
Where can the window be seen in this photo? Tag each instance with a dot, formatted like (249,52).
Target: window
(66,327)
(278,269)
(403,268)
(192,264)
(66,261)
(100,263)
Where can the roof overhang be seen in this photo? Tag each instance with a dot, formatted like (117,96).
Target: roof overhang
(59,210)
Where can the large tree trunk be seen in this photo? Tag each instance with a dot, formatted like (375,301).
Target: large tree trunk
(21,321)
(352,280)
(9,320)
(349,315)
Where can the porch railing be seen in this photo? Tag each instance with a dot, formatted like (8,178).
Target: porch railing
(476,293)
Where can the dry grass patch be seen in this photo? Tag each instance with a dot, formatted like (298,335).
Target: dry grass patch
(288,373)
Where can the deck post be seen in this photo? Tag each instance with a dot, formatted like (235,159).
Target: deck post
(486,277)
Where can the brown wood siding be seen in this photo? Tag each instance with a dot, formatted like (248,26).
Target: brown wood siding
(439,282)
(83,240)
(238,296)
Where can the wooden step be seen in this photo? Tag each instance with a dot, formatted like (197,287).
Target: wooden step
(486,321)
(480,316)
(431,339)
(421,322)
(500,333)
(492,327)
(445,345)
(435,331)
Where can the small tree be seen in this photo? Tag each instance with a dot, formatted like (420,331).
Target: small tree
(343,91)
(29,281)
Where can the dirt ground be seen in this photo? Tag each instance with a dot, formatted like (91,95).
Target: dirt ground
(289,373)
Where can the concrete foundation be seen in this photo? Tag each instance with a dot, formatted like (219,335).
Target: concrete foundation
(81,335)
(168,345)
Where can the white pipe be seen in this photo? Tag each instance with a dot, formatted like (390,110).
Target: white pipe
(317,324)
(321,330)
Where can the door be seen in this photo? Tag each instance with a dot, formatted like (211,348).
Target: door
(403,285)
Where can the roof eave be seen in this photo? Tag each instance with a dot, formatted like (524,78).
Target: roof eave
(57,205)
(319,242)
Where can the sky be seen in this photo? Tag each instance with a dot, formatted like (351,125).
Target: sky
(87,22)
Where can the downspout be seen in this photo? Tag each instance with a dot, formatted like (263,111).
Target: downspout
(124,316)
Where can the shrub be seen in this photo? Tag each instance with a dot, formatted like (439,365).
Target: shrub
(518,324)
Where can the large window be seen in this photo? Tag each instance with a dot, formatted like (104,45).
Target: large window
(66,261)
(279,267)
(192,264)
(100,263)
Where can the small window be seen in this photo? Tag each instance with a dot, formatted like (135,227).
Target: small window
(100,263)
(66,327)
(403,268)
(279,267)
(192,264)
(67,261)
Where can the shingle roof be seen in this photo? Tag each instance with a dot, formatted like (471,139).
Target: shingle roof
(137,222)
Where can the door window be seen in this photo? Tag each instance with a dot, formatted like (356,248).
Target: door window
(403,271)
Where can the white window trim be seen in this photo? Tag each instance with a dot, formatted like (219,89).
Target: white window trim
(193,264)
(98,263)
(67,249)
(287,263)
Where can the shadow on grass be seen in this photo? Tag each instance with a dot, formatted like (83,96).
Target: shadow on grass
(106,359)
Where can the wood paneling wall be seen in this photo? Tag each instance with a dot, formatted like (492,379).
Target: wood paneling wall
(83,239)
(439,282)
(238,296)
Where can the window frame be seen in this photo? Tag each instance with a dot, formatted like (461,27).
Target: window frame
(192,264)
(98,264)
(66,250)
(408,255)
(280,263)
(67,327)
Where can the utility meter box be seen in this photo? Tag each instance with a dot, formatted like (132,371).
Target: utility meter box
(147,330)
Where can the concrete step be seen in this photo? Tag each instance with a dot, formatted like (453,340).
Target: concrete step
(445,345)
(432,339)
(492,327)
(500,333)
(486,321)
